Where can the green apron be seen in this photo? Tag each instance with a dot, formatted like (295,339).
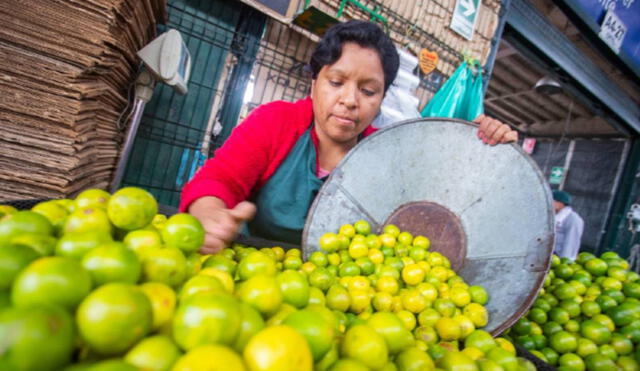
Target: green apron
(284,201)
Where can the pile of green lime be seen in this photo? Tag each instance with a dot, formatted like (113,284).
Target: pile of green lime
(103,282)
(586,317)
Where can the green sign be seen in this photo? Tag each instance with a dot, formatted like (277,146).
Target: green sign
(557,173)
(464,17)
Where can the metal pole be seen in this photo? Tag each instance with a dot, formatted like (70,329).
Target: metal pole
(495,44)
(567,163)
(144,90)
(138,109)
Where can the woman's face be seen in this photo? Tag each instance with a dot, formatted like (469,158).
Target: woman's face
(347,95)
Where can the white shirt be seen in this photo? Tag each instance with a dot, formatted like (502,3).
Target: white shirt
(569,228)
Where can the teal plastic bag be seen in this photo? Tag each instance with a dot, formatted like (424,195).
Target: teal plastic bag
(450,96)
(473,105)
(459,97)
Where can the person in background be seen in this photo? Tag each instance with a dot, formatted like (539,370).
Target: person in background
(569,226)
(270,169)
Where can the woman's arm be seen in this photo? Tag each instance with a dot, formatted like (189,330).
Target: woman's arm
(218,192)
(216,195)
(221,224)
(236,167)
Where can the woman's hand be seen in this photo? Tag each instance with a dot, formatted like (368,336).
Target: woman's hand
(221,224)
(492,131)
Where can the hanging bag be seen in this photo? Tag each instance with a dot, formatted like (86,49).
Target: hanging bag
(473,98)
(459,97)
(449,97)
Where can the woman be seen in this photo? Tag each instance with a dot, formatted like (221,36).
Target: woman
(280,155)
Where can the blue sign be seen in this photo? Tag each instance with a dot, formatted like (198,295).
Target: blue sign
(617,23)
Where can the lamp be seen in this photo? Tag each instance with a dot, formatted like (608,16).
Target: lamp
(547,85)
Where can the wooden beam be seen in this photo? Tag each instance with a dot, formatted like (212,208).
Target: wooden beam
(530,112)
(587,126)
(509,95)
(509,117)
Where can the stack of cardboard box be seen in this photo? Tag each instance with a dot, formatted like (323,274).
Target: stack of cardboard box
(66,68)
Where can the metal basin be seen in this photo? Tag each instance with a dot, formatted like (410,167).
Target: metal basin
(488,209)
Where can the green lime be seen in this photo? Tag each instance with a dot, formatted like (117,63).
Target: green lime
(595,331)
(222,263)
(207,319)
(256,263)
(39,337)
(89,220)
(551,355)
(92,198)
(183,231)
(142,240)
(43,244)
(571,361)
(294,287)
(538,316)
(51,280)
(522,326)
(166,265)
(131,208)
(251,323)
(76,245)
(13,259)
(153,353)
(54,212)
(112,262)
(200,284)
(315,328)
(114,317)
(362,227)
(586,347)
(23,222)
(563,342)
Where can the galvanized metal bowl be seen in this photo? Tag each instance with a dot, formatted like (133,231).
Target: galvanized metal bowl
(488,209)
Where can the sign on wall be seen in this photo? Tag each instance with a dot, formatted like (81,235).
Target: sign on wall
(612,31)
(464,17)
(556,175)
(528,144)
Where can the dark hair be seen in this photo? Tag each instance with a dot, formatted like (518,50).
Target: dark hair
(363,33)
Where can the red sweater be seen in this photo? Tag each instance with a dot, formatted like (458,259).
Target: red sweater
(252,153)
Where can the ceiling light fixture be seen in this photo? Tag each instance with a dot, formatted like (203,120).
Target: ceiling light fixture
(547,85)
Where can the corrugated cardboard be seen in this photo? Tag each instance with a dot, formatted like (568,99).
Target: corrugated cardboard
(65,67)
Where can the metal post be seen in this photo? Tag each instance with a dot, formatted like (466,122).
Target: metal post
(138,109)
(495,44)
(567,163)
(144,90)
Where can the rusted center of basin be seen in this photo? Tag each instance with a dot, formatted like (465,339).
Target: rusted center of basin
(436,222)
